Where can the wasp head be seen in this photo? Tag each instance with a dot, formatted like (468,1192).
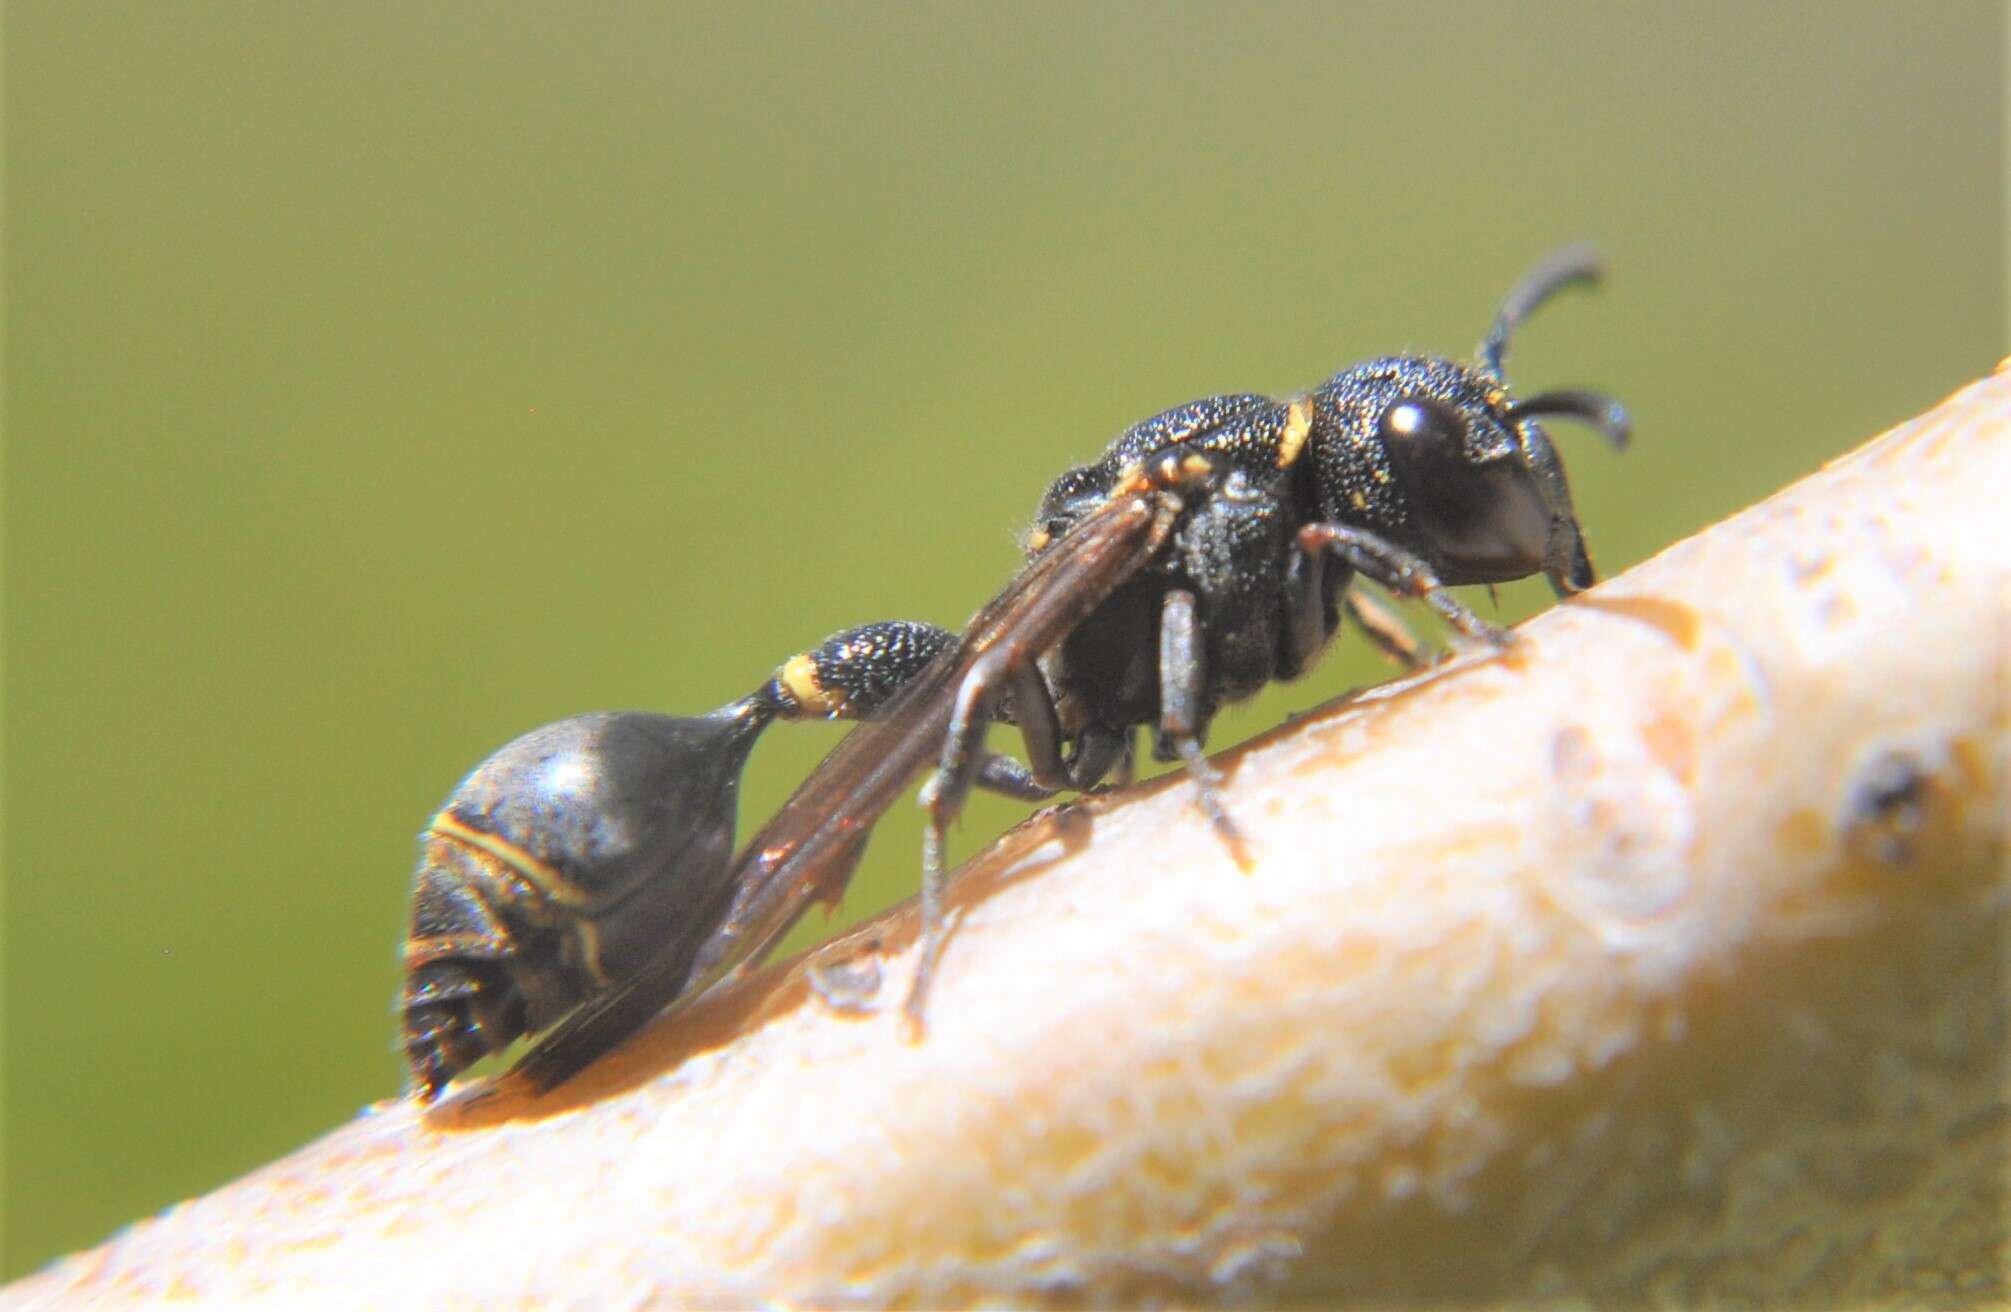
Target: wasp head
(1442,458)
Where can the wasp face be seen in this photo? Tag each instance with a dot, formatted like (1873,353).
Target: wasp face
(1437,456)
(1484,519)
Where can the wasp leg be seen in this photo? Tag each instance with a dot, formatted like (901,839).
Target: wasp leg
(1309,619)
(866,667)
(1386,629)
(850,987)
(1404,574)
(1039,728)
(1304,602)
(1009,777)
(1125,768)
(1183,673)
(978,699)
(1103,757)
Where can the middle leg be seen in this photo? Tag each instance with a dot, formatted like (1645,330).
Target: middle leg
(1183,688)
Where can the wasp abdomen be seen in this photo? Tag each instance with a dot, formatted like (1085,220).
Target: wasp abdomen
(560,866)
(854,673)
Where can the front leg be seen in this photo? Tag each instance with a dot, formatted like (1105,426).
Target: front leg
(844,662)
(1303,610)
(1384,563)
(1307,616)
(1386,629)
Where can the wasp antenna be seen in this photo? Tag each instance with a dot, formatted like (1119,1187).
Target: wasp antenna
(1594,408)
(1573,264)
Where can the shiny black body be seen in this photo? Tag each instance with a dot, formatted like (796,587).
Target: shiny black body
(564,862)
(1210,550)
(585,850)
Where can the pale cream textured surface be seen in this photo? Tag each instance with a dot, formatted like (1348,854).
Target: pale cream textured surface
(1587,973)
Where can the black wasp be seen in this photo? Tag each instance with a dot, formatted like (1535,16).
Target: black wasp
(580,879)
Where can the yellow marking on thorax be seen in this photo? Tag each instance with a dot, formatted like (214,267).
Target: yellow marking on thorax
(1161,472)
(545,877)
(798,677)
(1298,427)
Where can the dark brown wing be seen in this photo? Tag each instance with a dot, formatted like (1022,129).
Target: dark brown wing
(808,851)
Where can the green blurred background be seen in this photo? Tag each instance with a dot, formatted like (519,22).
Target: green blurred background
(385,380)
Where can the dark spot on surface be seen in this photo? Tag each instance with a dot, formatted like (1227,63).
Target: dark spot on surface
(1886,803)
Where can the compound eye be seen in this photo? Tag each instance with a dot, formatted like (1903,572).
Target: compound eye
(1427,429)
